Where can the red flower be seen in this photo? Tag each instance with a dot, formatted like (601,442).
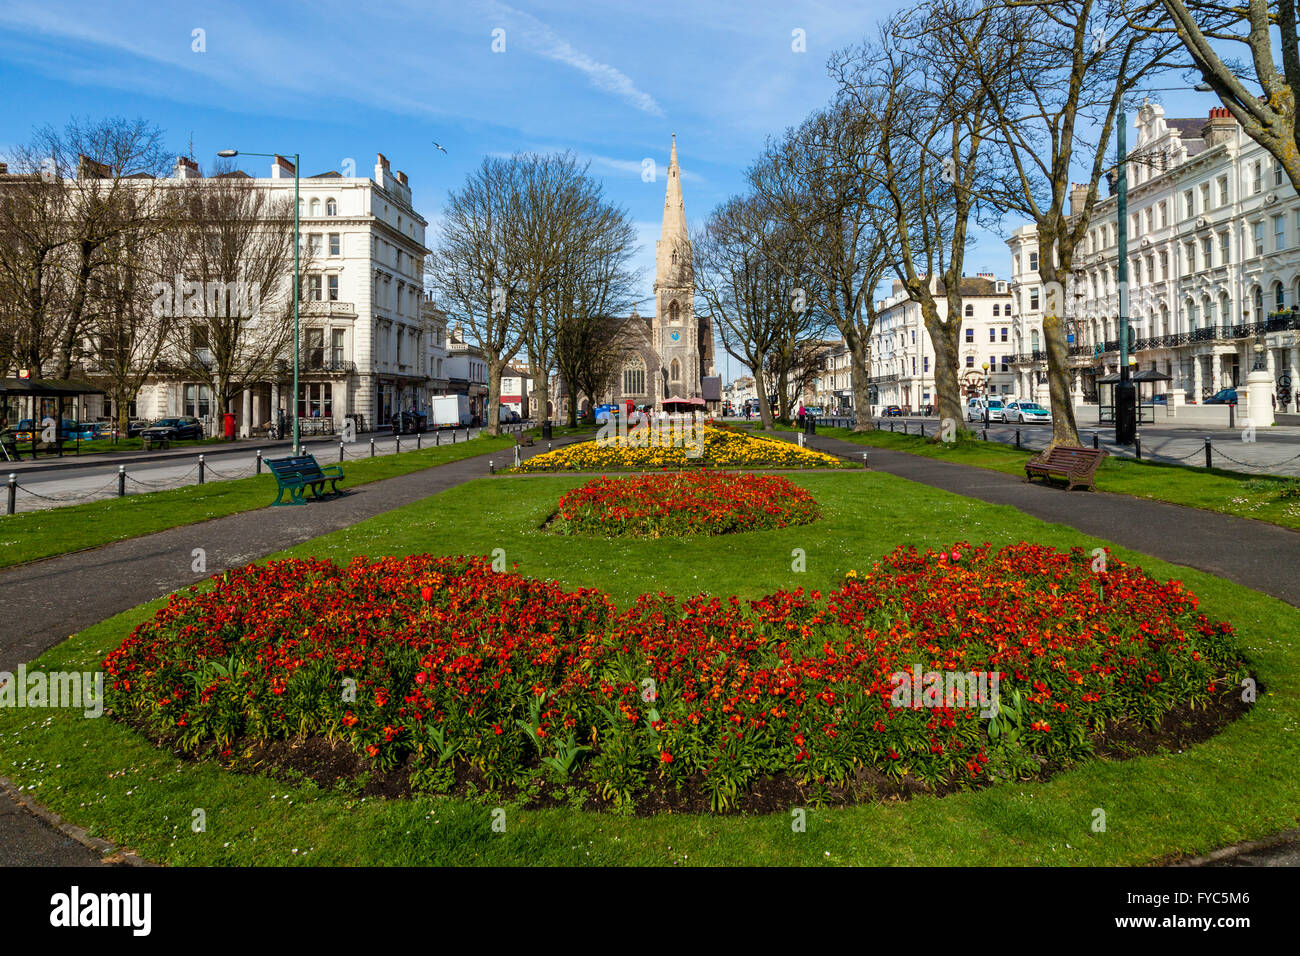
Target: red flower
(426,593)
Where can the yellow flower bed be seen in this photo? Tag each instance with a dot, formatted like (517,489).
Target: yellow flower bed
(718,449)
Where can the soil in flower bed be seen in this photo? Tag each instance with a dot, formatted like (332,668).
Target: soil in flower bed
(451,675)
(676,504)
(333,765)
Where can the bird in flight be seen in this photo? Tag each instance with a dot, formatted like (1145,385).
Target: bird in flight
(440,146)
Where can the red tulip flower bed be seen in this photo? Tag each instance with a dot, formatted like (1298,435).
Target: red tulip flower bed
(435,667)
(704,502)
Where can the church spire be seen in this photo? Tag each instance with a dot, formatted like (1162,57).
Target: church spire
(674,226)
(673,250)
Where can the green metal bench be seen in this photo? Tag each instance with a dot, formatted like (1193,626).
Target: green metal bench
(299,473)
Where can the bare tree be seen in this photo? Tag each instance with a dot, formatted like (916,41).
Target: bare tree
(810,178)
(926,120)
(1067,68)
(1257,28)
(760,311)
(33,237)
(230,297)
(127,334)
(593,296)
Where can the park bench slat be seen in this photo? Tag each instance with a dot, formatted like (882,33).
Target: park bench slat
(1077,465)
(299,474)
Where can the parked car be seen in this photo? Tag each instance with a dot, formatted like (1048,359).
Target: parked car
(603,412)
(1224,396)
(22,431)
(507,415)
(1162,399)
(174,429)
(1027,412)
(89,431)
(135,427)
(409,423)
(975,410)
(892,411)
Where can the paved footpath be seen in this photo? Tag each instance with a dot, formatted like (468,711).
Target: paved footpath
(119,576)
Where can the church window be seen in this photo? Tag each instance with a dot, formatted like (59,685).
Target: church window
(675,370)
(634,377)
(674,312)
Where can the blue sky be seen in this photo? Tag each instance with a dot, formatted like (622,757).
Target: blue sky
(337,81)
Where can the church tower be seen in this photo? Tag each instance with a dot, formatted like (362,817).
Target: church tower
(684,345)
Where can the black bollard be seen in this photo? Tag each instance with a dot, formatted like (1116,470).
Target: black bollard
(372,448)
(121,481)
(1207,452)
(1137,446)
(13,494)
(201,469)
(1017,437)
(258,466)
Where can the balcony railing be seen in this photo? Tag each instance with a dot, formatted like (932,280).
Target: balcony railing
(318,360)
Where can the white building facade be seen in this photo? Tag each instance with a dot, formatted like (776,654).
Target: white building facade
(902,359)
(1214,266)
(365,350)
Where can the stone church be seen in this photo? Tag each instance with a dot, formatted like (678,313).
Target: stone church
(669,354)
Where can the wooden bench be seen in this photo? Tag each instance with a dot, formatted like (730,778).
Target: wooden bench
(299,473)
(523,438)
(1076,465)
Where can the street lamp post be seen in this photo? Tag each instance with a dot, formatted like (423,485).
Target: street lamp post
(985,366)
(297,242)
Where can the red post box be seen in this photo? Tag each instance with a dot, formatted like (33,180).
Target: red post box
(229,423)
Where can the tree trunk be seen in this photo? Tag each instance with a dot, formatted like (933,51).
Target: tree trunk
(944,338)
(495,367)
(861,389)
(764,406)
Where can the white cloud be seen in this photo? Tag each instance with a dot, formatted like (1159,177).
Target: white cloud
(547,43)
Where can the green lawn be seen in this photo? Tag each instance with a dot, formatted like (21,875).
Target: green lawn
(1272,498)
(32,535)
(1239,785)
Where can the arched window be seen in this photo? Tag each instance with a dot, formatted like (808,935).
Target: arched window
(1225,309)
(1279,296)
(1192,323)
(1259,302)
(970,310)
(675,370)
(674,312)
(634,376)
(1033,340)
(331,207)
(995,310)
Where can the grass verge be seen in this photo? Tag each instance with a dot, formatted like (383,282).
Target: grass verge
(33,535)
(1272,498)
(1237,786)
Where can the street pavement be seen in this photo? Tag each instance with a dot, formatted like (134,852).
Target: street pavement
(1274,450)
(57,482)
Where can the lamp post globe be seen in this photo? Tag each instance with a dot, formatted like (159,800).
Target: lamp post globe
(985,366)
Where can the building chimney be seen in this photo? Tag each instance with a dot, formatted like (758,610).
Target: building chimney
(281,168)
(1078,197)
(401,178)
(186,168)
(984,275)
(4,168)
(381,160)
(1221,127)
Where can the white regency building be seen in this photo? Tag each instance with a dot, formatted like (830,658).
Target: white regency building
(369,345)
(1214,266)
